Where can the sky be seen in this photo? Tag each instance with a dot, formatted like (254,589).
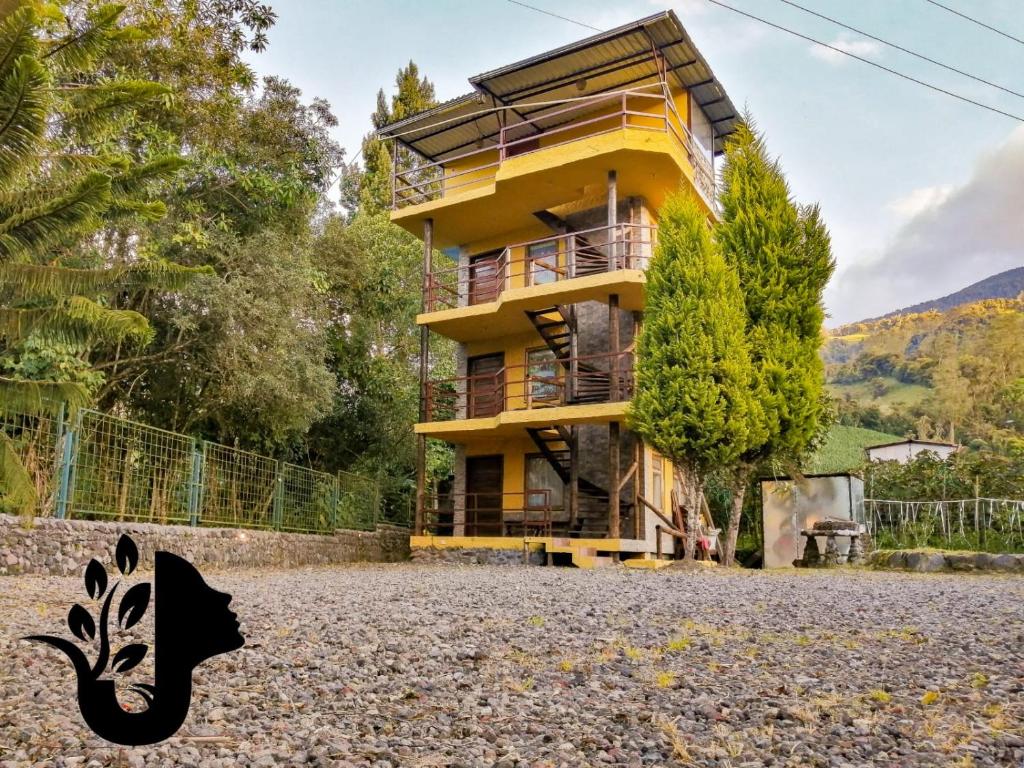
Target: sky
(923,194)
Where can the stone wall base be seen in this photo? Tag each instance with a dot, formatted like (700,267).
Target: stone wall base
(932,561)
(475,556)
(63,547)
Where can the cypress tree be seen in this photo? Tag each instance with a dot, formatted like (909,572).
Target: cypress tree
(693,399)
(783,257)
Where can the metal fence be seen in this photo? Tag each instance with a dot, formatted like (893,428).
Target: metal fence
(995,525)
(99,466)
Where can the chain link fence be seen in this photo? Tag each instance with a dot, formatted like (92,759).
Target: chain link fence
(99,466)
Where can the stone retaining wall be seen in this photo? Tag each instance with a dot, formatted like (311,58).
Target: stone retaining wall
(932,561)
(64,547)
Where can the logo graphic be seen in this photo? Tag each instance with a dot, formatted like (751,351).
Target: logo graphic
(191,624)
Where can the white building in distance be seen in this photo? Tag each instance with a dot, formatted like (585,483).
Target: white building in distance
(904,451)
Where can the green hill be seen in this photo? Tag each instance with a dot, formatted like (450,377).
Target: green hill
(843,450)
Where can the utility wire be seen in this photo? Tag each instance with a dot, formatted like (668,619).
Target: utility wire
(555,15)
(975,21)
(901,48)
(875,64)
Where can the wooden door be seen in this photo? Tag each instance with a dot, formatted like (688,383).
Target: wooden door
(485,389)
(484,478)
(484,278)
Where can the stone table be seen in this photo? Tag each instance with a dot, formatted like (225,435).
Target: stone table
(813,557)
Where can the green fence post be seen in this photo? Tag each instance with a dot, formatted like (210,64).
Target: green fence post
(195,484)
(278,514)
(65,438)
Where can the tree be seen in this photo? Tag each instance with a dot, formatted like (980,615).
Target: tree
(65,175)
(783,258)
(368,190)
(694,401)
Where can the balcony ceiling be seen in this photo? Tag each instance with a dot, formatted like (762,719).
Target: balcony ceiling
(529,91)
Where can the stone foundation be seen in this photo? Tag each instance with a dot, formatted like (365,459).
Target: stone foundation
(64,547)
(475,556)
(933,561)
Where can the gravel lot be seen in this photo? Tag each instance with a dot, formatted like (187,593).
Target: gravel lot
(411,665)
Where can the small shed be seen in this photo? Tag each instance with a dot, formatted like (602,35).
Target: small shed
(789,506)
(906,450)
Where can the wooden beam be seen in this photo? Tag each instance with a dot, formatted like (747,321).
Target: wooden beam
(613,479)
(421,440)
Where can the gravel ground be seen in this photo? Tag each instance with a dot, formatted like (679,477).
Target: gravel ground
(412,665)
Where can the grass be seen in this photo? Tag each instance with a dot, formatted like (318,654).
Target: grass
(844,449)
(897,393)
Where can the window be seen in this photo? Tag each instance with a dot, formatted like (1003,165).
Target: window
(541,476)
(542,373)
(657,481)
(543,261)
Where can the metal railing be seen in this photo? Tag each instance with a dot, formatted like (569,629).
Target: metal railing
(528,513)
(99,466)
(604,378)
(578,120)
(538,262)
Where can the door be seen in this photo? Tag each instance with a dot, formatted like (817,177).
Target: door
(484,278)
(484,477)
(485,389)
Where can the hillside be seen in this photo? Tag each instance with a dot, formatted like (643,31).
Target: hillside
(1005,285)
(843,450)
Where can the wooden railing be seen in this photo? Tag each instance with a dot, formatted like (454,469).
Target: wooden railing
(537,262)
(600,378)
(528,513)
(581,119)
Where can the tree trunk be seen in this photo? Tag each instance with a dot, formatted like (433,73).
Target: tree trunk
(741,479)
(696,487)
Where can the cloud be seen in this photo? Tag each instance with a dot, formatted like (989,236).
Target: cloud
(952,238)
(920,200)
(859,46)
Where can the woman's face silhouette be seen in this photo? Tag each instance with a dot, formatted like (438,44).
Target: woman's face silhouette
(192,618)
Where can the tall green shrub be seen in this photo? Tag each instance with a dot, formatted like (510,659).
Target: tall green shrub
(694,400)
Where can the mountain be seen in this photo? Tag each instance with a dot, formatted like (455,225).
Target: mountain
(1005,285)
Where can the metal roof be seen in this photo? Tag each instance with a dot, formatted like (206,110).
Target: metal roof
(621,58)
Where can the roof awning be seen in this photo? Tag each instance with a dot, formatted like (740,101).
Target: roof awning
(532,90)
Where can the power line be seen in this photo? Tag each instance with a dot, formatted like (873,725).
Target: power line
(901,48)
(975,21)
(875,64)
(555,15)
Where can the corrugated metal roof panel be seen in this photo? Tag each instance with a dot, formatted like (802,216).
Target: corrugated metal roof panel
(618,59)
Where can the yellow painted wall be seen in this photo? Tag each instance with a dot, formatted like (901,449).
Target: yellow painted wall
(514,349)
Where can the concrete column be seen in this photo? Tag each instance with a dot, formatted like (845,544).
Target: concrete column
(613,206)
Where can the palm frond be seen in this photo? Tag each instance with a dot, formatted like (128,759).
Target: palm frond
(23,108)
(95,110)
(33,281)
(33,229)
(39,398)
(16,488)
(74,321)
(17,37)
(80,48)
(158,169)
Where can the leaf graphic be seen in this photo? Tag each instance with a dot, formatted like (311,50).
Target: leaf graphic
(133,605)
(95,579)
(81,623)
(128,657)
(126,554)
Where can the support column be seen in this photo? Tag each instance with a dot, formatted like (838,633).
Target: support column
(614,473)
(421,440)
(574,476)
(613,207)
(614,348)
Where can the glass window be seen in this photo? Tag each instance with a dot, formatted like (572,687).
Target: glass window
(541,476)
(543,259)
(657,481)
(542,371)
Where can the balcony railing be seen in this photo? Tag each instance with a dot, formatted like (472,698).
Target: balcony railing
(578,120)
(605,378)
(539,262)
(530,513)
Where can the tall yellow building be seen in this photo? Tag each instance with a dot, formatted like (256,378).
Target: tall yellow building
(542,187)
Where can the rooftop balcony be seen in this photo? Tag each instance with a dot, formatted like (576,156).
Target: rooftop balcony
(552,160)
(489,294)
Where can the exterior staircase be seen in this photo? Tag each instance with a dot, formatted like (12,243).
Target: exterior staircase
(585,383)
